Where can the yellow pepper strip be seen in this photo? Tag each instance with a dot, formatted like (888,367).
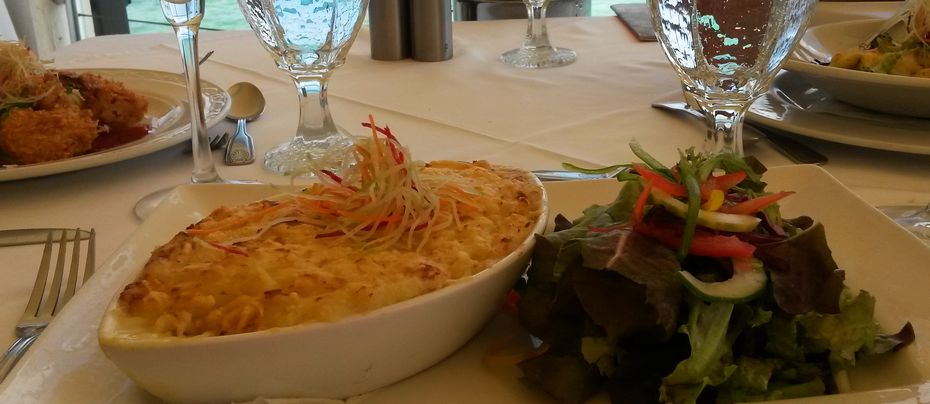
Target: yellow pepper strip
(714,201)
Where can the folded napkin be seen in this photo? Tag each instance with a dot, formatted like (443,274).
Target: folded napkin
(638,19)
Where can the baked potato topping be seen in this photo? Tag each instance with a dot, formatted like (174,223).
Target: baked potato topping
(322,255)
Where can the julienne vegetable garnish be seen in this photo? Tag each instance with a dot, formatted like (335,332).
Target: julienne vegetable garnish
(691,287)
(377,201)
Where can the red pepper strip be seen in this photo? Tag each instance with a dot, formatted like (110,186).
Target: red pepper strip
(511,301)
(228,249)
(660,182)
(398,155)
(755,205)
(641,204)
(386,131)
(332,176)
(722,183)
(704,244)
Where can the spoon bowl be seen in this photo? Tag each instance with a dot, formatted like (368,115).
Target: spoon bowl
(248,103)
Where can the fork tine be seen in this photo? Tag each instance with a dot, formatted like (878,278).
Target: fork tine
(89,265)
(48,308)
(39,288)
(73,273)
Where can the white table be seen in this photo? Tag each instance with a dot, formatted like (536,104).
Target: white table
(470,107)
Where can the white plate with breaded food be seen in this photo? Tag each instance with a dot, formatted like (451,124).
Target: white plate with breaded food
(115,115)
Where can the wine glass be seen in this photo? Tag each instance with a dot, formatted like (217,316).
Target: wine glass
(536,51)
(308,39)
(726,53)
(914,218)
(185,17)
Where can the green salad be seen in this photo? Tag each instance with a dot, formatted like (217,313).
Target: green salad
(689,288)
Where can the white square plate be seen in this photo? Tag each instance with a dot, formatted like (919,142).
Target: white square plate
(66,365)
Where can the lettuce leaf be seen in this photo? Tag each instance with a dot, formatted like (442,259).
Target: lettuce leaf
(843,334)
(708,364)
(803,273)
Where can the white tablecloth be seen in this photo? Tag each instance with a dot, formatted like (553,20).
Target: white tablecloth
(470,107)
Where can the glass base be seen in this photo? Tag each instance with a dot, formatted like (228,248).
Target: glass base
(145,206)
(915,219)
(538,57)
(297,155)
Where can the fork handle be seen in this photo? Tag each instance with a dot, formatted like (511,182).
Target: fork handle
(13,353)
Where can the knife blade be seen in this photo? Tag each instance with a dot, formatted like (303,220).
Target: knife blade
(15,237)
(793,149)
(565,175)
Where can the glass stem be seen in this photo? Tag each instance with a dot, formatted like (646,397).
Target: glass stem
(725,131)
(536,35)
(316,122)
(204,170)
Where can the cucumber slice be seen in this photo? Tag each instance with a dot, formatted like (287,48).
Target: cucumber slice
(711,220)
(747,283)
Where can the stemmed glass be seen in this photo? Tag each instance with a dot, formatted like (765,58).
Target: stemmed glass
(308,39)
(914,218)
(536,51)
(185,17)
(726,53)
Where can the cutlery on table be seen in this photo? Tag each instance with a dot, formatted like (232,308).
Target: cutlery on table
(567,175)
(794,150)
(16,237)
(44,304)
(248,103)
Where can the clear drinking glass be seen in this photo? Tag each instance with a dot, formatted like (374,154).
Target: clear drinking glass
(308,39)
(914,218)
(726,53)
(536,51)
(185,17)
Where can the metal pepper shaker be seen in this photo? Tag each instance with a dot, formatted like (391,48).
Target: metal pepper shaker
(431,29)
(389,25)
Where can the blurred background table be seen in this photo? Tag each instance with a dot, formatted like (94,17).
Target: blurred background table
(467,108)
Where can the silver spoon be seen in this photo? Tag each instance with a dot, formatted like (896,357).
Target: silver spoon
(248,104)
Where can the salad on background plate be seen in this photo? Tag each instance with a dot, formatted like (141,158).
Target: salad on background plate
(691,287)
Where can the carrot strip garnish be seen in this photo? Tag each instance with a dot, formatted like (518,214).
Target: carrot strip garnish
(242,220)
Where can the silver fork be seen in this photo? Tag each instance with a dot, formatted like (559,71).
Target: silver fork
(43,306)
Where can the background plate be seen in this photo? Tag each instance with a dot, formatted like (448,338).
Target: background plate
(168,111)
(791,105)
(66,365)
(891,94)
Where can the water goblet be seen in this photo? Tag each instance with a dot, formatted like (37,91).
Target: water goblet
(536,51)
(914,218)
(308,39)
(185,17)
(726,53)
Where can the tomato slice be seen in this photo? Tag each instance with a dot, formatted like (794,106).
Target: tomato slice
(660,182)
(721,182)
(704,244)
(755,205)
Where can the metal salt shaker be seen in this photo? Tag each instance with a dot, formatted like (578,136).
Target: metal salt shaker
(389,24)
(431,29)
